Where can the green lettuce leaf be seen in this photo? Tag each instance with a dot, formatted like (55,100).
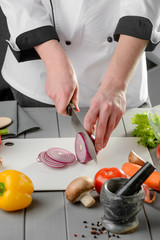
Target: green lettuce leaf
(144,131)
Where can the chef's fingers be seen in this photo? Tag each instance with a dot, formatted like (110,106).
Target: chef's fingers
(102,125)
(112,124)
(75,99)
(90,120)
(62,103)
(64,98)
(61,106)
(109,129)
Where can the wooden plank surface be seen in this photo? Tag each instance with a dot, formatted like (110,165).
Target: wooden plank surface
(152,211)
(153,216)
(12,225)
(76,215)
(128,117)
(45,217)
(67,130)
(50,216)
(47,120)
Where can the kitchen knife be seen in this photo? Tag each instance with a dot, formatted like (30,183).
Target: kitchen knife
(79,128)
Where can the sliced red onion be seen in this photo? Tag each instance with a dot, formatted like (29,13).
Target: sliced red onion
(147,191)
(61,155)
(81,150)
(43,157)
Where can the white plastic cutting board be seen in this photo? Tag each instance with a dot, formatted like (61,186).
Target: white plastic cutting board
(23,154)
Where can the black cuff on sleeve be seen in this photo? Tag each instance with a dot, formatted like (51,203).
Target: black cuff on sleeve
(25,55)
(28,40)
(32,38)
(135,26)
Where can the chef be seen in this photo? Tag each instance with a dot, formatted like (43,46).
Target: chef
(88,52)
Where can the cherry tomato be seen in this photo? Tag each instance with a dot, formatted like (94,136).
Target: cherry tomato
(107,173)
(158,153)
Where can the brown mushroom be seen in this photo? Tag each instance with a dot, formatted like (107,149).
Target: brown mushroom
(79,190)
(134,158)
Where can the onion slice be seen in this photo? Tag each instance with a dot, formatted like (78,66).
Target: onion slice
(147,191)
(43,157)
(61,155)
(81,150)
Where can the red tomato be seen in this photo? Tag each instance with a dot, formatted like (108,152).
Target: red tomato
(158,153)
(107,173)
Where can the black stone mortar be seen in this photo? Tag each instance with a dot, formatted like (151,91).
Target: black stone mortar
(120,212)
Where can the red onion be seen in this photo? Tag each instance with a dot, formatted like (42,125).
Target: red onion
(43,157)
(81,150)
(56,157)
(61,155)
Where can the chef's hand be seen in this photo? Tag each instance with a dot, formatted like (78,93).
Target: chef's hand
(107,108)
(109,103)
(61,81)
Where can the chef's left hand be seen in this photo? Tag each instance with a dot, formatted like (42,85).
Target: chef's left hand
(107,108)
(109,103)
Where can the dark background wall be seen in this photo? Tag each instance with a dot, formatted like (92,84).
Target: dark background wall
(5,93)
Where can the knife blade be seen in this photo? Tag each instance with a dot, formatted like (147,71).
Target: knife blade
(76,123)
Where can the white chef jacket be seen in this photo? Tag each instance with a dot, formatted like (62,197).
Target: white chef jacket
(87,30)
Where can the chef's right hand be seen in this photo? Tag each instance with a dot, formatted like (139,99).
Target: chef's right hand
(61,80)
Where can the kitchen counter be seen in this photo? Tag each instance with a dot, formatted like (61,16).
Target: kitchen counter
(51,216)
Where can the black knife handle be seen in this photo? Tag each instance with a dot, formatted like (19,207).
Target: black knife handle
(69,108)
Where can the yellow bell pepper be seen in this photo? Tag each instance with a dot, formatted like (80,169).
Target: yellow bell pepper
(15,190)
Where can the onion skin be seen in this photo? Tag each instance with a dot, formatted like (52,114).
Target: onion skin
(147,191)
(134,158)
(81,150)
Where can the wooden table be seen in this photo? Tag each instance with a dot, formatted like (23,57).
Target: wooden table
(51,216)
